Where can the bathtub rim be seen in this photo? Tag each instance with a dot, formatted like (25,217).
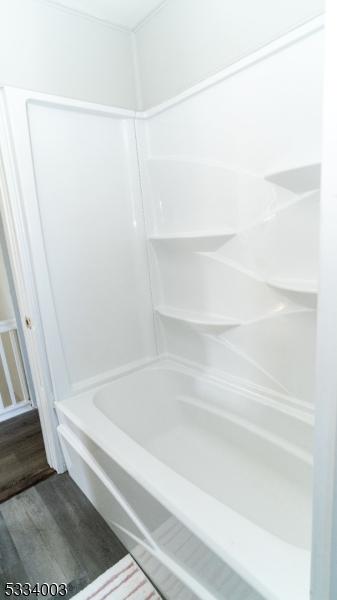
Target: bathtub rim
(244,549)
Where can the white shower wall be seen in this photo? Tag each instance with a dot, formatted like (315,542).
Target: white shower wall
(235,257)
(82,204)
(262,119)
(92,226)
(235,240)
(189,231)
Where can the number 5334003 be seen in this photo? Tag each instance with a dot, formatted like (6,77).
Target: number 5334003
(37,589)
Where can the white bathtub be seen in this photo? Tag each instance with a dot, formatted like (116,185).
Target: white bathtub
(170,458)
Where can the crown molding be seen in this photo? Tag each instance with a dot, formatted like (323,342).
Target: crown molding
(58,5)
(149,16)
(82,14)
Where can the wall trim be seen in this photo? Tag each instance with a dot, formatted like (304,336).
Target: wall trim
(76,12)
(86,385)
(292,37)
(45,98)
(82,14)
(309,28)
(149,16)
(70,103)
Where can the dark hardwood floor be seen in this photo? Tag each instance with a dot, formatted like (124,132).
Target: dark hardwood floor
(51,533)
(22,456)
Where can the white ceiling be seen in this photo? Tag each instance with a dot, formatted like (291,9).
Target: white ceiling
(124,13)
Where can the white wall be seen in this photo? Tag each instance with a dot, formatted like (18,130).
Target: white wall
(189,40)
(51,50)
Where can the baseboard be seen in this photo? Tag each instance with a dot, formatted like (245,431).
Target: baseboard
(15,411)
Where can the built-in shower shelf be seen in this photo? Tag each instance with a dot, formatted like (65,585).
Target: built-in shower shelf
(209,239)
(302,286)
(299,179)
(207,320)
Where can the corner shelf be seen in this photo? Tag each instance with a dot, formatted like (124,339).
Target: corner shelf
(208,239)
(299,180)
(206,320)
(301,286)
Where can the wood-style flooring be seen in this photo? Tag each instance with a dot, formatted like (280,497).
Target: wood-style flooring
(22,455)
(51,533)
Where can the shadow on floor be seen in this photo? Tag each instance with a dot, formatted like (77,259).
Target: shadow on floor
(51,533)
(23,460)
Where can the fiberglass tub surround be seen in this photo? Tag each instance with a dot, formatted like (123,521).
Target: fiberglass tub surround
(233,254)
(175,255)
(236,431)
(249,300)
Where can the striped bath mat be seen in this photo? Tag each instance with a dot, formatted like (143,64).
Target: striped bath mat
(124,581)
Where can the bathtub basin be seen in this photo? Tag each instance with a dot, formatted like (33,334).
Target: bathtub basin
(232,469)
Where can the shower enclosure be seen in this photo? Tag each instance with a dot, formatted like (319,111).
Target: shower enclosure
(175,255)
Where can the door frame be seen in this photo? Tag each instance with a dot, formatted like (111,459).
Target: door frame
(21,267)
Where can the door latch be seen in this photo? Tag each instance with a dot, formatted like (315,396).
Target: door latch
(28,322)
